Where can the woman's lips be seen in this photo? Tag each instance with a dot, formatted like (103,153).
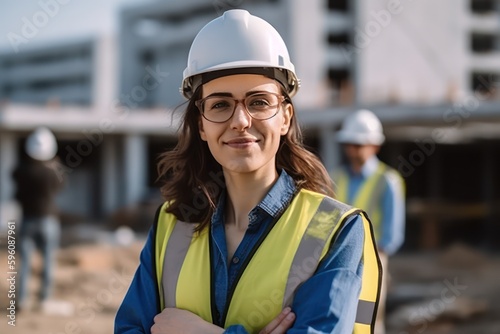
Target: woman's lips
(241,142)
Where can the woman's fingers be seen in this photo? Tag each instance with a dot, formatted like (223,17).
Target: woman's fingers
(281,323)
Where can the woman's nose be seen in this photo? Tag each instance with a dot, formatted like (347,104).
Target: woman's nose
(241,119)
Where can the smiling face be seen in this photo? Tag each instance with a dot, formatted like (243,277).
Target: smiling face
(243,144)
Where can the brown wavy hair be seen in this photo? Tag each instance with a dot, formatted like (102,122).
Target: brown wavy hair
(193,179)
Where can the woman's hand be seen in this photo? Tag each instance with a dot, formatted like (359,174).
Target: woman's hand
(177,321)
(281,323)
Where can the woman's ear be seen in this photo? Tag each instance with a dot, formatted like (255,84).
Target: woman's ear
(203,136)
(287,118)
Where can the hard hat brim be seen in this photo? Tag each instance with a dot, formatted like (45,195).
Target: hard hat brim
(345,137)
(283,75)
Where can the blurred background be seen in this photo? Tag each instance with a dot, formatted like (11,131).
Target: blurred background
(104,76)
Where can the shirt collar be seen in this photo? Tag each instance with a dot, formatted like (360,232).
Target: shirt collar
(279,196)
(277,199)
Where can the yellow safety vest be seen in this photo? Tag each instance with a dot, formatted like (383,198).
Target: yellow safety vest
(369,195)
(287,256)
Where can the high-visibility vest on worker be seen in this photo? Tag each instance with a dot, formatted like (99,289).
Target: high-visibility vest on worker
(369,195)
(288,255)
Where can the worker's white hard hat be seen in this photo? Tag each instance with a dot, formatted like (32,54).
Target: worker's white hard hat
(238,43)
(41,144)
(363,128)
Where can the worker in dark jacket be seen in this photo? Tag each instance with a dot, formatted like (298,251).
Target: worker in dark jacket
(37,185)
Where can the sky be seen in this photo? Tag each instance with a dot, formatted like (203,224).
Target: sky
(28,23)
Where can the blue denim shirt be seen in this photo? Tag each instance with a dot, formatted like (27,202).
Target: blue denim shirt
(325,303)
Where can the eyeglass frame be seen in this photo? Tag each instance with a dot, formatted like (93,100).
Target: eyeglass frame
(281,99)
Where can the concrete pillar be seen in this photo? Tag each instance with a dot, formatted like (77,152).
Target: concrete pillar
(329,148)
(9,209)
(135,168)
(306,44)
(109,171)
(355,65)
(105,83)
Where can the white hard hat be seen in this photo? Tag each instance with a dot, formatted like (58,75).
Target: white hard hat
(238,43)
(41,144)
(363,128)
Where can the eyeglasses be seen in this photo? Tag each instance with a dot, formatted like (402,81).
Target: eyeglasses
(260,106)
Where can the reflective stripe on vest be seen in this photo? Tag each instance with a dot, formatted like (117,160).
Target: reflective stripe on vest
(368,197)
(371,283)
(304,233)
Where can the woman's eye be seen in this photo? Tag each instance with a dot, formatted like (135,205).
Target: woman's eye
(259,103)
(219,105)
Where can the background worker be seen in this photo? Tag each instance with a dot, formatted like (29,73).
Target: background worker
(367,183)
(37,184)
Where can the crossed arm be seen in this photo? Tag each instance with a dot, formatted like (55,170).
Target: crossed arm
(177,321)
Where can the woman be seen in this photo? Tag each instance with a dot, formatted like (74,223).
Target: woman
(248,240)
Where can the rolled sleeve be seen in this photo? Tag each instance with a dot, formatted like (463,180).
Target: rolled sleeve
(393,223)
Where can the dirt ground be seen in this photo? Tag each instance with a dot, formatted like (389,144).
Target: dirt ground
(451,291)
